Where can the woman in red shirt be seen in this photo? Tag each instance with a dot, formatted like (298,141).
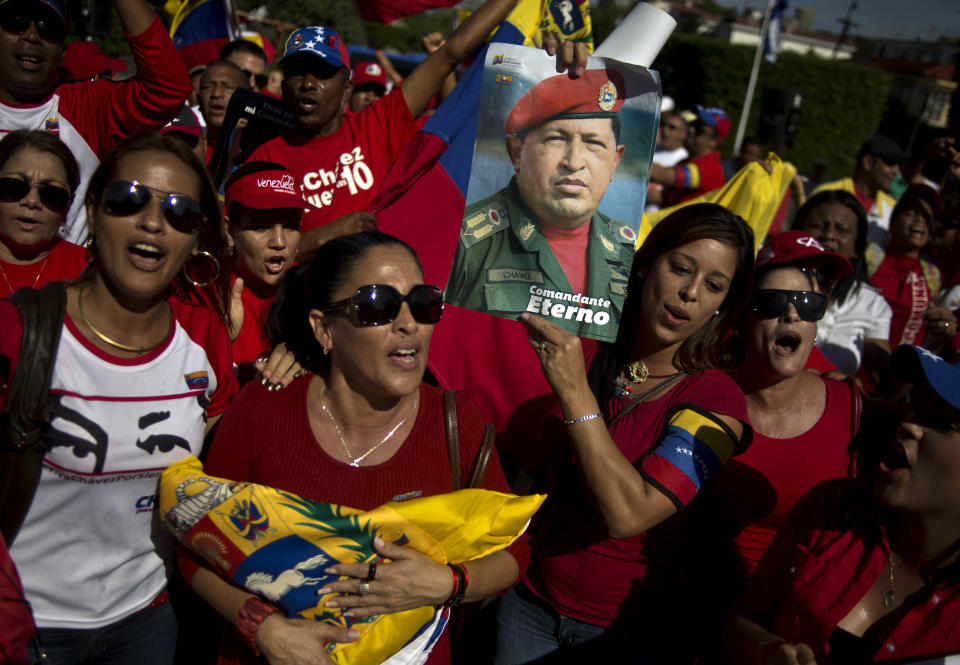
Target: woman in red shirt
(38,179)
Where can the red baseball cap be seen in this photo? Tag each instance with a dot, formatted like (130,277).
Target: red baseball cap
(801,247)
(599,93)
(265,190)
(369,72)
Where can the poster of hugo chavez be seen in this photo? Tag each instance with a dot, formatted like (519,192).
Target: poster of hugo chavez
(556,192)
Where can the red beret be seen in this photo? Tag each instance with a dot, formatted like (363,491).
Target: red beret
(596,94)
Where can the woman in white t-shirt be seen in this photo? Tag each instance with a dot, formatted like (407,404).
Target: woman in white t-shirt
(855,329)
(141,372)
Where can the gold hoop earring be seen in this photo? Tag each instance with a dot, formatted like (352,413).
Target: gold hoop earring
(90,246)
(216,269)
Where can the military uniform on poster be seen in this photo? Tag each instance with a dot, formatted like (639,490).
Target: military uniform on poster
(504,266)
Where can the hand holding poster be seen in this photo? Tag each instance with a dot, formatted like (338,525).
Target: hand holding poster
(556,191)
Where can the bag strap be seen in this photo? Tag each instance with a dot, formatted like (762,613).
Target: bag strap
(453,435)
(27,406)
(856,411)
(479,468)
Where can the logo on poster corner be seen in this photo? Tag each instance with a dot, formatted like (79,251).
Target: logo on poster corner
(503,79)
(607,96)
(501,59)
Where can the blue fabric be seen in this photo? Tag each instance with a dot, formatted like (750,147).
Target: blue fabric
(208,20)
(148,637)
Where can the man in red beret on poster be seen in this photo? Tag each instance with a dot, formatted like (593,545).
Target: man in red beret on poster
(540,245)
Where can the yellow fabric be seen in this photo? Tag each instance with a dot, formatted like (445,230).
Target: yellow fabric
(752,193)
(278,544)
(534,17)
(882,205)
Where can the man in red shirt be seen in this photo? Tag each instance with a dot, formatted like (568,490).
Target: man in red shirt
(702,171)
(341,159)
(369,84)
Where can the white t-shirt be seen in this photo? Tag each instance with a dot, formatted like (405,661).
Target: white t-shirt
(91,550)
(842,330)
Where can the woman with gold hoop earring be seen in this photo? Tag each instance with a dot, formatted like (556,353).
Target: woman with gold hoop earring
(38,179)
(141,373)
(637,430)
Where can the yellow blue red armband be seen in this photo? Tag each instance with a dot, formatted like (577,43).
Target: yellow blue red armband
(695,445)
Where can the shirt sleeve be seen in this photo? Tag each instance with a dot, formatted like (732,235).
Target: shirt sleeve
(879,315)
(105,112)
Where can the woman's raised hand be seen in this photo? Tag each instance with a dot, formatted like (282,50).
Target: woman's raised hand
(279,368)
(560,353)
(297,641)
(409,580)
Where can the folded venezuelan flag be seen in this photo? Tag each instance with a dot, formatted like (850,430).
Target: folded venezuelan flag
(278,545)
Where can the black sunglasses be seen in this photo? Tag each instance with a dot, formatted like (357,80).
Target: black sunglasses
(379,304)
(259,79)
(772,303)
(124,198)
(53,197)
(50,29)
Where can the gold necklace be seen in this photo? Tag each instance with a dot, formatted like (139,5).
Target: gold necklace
(890,597)
(355,461)
(636,372)
(35,281)
(139,350)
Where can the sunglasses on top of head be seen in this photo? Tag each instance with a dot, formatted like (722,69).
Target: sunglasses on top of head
(772,304)
(54,197)
(379,304)
(18,22)
(123,198)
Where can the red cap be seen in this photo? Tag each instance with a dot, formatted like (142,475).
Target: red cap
(84,60)
(265,190)
(599,93)
(801,247)
(369,72)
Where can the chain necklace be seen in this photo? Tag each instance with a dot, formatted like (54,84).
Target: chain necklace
(139,350)
(890,597)
(35,281)
(355,461)
(636,372)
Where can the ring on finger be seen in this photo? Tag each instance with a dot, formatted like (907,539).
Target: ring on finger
(363,589)
(372,572)
(543,346)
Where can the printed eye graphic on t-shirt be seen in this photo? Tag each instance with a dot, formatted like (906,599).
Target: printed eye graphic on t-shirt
(143,434)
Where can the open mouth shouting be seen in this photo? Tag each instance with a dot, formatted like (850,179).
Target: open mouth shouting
(146,256)
(405,356)
(787,343)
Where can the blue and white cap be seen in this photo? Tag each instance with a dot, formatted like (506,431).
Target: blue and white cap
(319,41)
(922,367)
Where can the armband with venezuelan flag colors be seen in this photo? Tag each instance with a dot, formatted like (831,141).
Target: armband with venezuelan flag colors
(694,445)
(688,176)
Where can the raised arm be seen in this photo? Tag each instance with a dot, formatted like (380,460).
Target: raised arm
(425,81)
(627,501)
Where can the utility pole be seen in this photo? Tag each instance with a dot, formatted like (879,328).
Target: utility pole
(847,24)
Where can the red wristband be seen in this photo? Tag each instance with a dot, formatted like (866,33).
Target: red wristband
(249,618)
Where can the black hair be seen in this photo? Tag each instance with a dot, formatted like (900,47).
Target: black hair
(312,287)
(229,65)
(45,142)
(242,46)
(705,348)
(845,286)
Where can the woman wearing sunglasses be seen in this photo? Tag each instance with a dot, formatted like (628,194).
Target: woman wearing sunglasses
(648,423)
(362,430)
(802,426)
(142,371)
(38,178)
(868,570)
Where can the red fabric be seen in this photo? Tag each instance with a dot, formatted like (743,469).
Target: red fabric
(711,177)
(252,340)
(105,112)
(819,362)
(901,281)
(790,467)
(202,52)
(570,248)
(65,261)
(343,172)
(382,11)
(16,624)
(266,438)
(575,566)
(832,550)
(866,201)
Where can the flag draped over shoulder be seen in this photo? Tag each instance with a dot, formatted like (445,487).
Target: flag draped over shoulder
(422,200)
(200,28)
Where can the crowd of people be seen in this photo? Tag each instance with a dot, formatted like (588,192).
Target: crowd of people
(761,465)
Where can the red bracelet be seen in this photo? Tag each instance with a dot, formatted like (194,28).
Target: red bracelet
(459,585)
(249,618)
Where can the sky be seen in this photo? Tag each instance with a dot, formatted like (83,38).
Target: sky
(892,19)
